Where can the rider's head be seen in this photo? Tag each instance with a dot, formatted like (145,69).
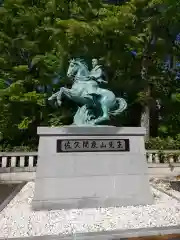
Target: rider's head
(94,62)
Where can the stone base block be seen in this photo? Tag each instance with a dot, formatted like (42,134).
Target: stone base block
(91,167)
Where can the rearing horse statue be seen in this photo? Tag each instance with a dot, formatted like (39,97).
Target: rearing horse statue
(85,91)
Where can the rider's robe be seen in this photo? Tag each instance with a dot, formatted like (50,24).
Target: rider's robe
(97,74)
(95,78)
(90,85)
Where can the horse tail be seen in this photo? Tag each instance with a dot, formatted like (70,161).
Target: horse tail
(122,105)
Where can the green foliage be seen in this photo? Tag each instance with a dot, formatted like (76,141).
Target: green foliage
(10,148)
(37,38)
(168,143)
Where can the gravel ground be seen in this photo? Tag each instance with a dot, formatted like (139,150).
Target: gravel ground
(18,220)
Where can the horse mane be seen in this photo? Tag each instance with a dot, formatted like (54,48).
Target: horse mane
(82,61)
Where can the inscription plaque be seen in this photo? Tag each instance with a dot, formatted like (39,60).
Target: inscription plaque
(93,145)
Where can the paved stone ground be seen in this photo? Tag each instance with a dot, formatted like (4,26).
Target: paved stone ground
(6,190)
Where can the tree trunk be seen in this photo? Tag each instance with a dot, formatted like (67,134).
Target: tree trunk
(145,121)
(150,115)
(145,115)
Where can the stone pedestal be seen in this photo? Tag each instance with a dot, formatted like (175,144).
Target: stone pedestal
(90,167)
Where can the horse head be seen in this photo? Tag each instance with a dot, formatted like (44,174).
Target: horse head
(77,67)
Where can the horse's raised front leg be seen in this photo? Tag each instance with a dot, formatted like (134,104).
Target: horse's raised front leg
(59,97)
(64,92)
(53,96)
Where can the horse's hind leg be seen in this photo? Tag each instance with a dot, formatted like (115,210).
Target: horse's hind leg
(105,115)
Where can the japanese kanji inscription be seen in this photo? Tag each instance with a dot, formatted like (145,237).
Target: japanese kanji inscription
(93,145)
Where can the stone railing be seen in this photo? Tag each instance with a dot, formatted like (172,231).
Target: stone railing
(27,161)
(166,156)
(21,166)
(18,161)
